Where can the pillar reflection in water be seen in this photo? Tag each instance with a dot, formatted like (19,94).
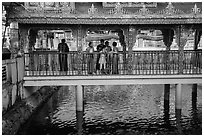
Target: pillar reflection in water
(194,112)
(178,120)
(178,107)
(194,97)
(79,108)
(80,121)
(166,113)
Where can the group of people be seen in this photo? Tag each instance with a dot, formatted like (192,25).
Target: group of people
(106,60)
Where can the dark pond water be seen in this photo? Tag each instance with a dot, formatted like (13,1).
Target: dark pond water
(123,110)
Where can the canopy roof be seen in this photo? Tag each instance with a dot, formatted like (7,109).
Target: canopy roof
(105,12)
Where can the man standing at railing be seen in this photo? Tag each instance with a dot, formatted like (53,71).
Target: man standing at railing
(90,58)
(63,48)
(108,57)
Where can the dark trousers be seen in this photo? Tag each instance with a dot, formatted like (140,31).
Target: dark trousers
(63,62)
(97,62)
(90,64)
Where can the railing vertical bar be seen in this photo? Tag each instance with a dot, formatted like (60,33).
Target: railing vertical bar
(197,58)
(188,63)
(32,65)
(200,60)
(184,63)
(172,62)
(153,54)
(136,63)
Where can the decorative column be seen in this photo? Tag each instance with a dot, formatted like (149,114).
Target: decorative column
(131,40)
(126,34)
(79,49)
(23,33)
(14,39)
(32,39)
(196,57)
(181,39)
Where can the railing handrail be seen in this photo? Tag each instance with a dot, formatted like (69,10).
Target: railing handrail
(136,62)
(120,52)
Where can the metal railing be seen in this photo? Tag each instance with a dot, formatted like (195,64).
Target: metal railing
(135,63)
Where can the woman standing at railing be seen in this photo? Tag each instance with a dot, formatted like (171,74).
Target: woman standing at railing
(102,60)
(115,58)
(90,58)
(62,48)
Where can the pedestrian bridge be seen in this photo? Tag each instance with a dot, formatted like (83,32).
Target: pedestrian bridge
(139,67)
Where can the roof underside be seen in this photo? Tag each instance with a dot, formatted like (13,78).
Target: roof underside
(106,13)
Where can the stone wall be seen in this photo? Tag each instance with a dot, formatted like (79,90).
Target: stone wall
(21,111)
(12,82)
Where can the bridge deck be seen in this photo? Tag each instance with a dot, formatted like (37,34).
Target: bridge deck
(111,80)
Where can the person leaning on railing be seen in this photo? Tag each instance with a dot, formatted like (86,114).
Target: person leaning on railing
(62,48)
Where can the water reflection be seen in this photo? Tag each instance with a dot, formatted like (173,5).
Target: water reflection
(166,113)
(178,120)
(80,121)
(123,110)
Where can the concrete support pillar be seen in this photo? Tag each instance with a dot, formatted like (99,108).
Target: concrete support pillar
(166,104)
(178,97)
(166,97)
(166,92)
(79,98)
